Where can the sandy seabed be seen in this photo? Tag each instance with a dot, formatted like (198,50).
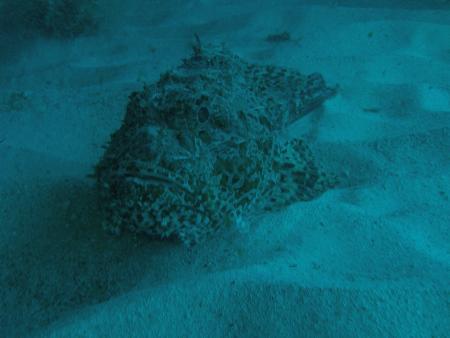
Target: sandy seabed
(370,259)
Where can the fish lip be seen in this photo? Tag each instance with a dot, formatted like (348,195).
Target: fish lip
(156,180)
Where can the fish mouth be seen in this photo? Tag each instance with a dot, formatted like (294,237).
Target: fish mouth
(156,180)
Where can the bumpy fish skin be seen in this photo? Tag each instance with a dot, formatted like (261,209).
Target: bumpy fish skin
(200,150)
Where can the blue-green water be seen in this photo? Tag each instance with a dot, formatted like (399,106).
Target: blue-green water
(369,257)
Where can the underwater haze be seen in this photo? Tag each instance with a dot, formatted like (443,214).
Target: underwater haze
(212,168)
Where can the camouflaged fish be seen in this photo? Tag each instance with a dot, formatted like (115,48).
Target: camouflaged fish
(200,150)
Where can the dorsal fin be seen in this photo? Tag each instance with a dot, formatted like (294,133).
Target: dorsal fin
(197,47)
